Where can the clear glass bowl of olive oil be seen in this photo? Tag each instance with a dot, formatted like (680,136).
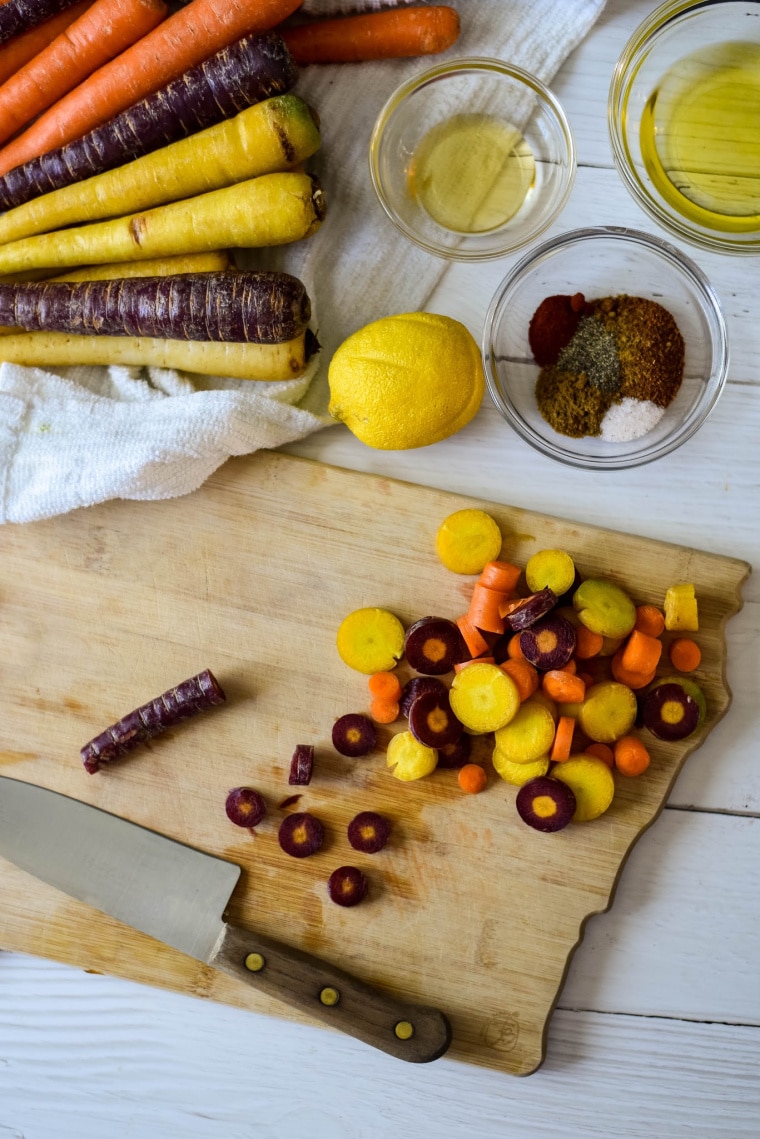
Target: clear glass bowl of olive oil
(472,159)
(684,119)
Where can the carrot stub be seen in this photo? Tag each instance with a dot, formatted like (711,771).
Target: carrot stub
(472,778)
(685,654)
(631,756)
(390,34)
(563,739)
(525,676)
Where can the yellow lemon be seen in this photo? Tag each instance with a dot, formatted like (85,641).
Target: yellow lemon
(406,381)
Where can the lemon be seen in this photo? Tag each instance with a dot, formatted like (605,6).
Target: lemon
(406,381)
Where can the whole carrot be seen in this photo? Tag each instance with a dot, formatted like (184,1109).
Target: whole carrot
(100,34)
(17,52)
(249,71)
(388,34)
(183,40)
(17,16)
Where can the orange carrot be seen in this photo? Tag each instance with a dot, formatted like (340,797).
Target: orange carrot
(641,652)
(508,605)
(601,751)
(484,609)
(631,756)
(623,675)
(570,667)
(501,576)
(587,644)
(475,660)
(385,686)
(100,34)
(17,52)
(563,739)
(186,38)
(514,652)
(473,638)
(472,778)
(649,619)
(685,654)
(563,687)
(525,676)
(384,711)
(390,34)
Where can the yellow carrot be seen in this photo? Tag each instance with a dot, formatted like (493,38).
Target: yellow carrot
(271,136)
(271,210)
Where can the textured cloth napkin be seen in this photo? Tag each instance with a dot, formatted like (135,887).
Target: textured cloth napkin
(85,435)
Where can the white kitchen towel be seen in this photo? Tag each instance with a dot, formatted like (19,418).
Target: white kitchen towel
(83,436)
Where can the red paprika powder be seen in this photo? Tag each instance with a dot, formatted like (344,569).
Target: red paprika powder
(553,326)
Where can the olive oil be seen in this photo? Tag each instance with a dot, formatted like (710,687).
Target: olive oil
(700,137)
(472,172)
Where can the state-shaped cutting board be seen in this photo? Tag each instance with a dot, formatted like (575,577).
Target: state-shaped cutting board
(468,909)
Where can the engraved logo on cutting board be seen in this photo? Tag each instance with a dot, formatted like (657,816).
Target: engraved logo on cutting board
(502,1032)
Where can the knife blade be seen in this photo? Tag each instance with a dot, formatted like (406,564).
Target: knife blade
(178,895)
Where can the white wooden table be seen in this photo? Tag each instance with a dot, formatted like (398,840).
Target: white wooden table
(657,1032)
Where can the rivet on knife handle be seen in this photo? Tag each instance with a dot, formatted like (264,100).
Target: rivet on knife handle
(416,1033)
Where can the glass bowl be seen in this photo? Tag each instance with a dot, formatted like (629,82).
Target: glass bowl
(472,159)
(603,262)
(684,121)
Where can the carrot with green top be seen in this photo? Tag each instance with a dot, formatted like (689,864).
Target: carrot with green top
(17,52)
(390,34)
(101,33)
(183,40)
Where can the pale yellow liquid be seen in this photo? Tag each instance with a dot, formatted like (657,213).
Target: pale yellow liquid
(700,137)
(472,172)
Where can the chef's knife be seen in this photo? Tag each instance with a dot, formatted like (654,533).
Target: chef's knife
(178,895)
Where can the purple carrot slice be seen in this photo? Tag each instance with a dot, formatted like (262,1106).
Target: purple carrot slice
(369,832)
(548,643)
(456,754)
(530,610)
(415,687)
(248,71)
(354,735)
(432,722)
(175,705)
(301,834)
(245,807)
(670,712)
(302,764)
(434,645)
(545,804)
(347,886)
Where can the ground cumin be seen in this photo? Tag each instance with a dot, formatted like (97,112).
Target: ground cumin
(632,365)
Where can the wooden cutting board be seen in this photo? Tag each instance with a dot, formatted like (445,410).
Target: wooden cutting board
(468,909)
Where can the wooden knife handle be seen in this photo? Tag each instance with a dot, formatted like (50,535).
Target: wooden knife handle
(410,1032)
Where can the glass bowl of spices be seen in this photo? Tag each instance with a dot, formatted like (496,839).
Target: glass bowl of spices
(605,348)
(472,159)
(684,121)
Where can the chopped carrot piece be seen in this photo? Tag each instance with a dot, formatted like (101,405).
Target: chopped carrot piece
(587,643)
(631,756)
(475,660)
(514,652)
(525,676)
(508,605)
(563,687)
(603,752)
(501,576)
(385,686)
(384,711)
(650,620)
(563,739)
(685,654)
(484,609)
(472,778)
(641,653)
(633,680)
(473,637)
(571,667)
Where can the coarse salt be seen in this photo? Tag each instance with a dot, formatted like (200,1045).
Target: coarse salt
(629,419)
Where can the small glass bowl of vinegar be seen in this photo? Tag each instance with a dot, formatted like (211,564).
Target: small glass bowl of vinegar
(684,121)
(472,159)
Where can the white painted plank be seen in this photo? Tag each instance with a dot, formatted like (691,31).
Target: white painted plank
(95,1057)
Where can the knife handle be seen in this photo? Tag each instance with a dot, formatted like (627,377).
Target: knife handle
(416,1033)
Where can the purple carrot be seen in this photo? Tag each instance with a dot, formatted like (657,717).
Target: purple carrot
(17,16)
(257,307)
(249,71)
(172,707)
